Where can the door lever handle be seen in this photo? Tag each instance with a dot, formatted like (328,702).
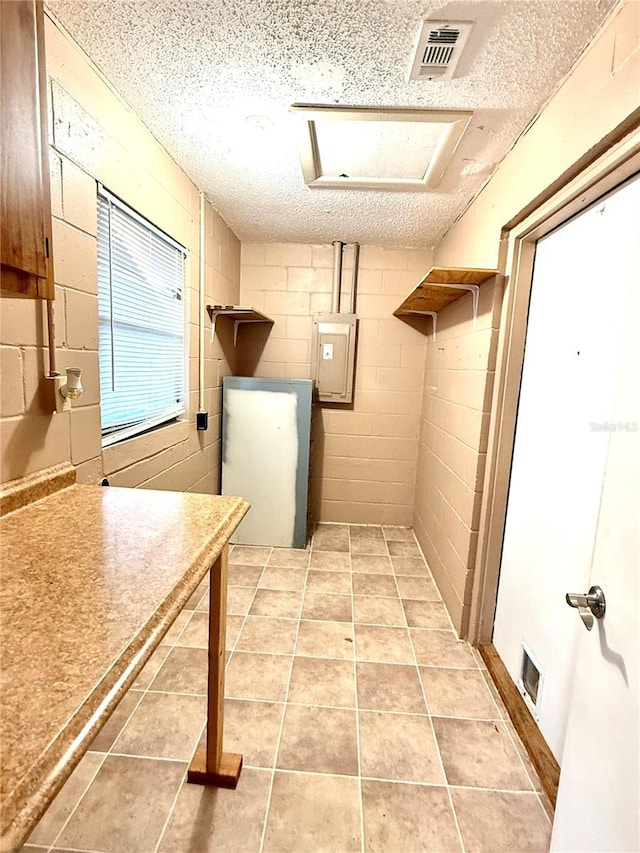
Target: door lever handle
(588,605)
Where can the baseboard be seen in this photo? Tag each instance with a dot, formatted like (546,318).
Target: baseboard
(541,756)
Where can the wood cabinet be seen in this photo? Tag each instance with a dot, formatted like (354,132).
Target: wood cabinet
(25,203)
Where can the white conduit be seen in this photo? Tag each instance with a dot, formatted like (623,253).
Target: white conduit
(51,333)
(337,277)
(354,278)
(201,311)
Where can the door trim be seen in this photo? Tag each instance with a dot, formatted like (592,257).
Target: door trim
(517,250)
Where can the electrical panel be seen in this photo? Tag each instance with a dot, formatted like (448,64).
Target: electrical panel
(333,356)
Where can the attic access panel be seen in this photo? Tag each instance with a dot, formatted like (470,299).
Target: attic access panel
(386,148)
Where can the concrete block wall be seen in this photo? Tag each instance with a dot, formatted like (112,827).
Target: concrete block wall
(459,370)
(364,455)
(94,136)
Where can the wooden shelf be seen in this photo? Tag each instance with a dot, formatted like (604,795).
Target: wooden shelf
(440,287)
(239,314)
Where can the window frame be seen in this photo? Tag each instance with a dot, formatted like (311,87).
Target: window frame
(115,435)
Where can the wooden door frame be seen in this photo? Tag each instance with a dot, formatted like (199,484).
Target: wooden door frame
(603,173)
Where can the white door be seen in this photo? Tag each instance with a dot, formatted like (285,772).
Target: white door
(582,279)
(598,807)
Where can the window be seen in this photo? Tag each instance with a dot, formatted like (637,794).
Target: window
(141,310)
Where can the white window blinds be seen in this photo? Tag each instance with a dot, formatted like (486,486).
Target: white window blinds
(141,309)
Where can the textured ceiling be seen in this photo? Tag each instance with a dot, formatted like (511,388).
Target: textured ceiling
(194,71)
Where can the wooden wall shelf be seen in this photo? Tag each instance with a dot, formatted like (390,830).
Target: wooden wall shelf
(440,287)
(239,314)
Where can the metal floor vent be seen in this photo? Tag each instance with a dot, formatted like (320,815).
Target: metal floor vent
(439,49)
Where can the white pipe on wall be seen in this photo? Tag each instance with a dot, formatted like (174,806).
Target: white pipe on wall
(337,277)
(354,278)
(51,334)
(201,309)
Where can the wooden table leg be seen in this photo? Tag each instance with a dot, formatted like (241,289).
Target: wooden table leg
(210,765)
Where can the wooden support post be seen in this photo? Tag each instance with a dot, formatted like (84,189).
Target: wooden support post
(210,765)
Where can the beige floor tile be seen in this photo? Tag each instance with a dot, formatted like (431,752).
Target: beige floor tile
(151,668)
(234,625)
(398,534)
(239,600)
(370,564)
(325,640)
(426,614)
(330,561)
(176,629)
(250,555)
(369,546)
(67,799)
(277,603)
(495,822)
(458,693)
(410,566)
(389,687)
(109,732)
(398,747)
(320,681)
(125,808)
(417,588)
(164,725)
(374,585)
(338,583)
(184,671)
(370,610)
(289,558)
(252,729)
(196,632)
(384,645)
(358,532)
(244,575)
(263,634)
(195,599)
(436,647)
(319,740)
(329,608)
(275,577)
(478,753)
(257,676)
(522,752)
(313,814)
(331,537)
(404,549)
(213,819)
(408,818)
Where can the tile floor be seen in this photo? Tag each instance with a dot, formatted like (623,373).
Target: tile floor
(365,724)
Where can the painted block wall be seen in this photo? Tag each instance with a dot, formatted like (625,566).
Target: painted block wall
(601,91)
(94,136)
(363,456)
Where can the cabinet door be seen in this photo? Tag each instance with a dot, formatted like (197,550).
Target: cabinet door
(25,212)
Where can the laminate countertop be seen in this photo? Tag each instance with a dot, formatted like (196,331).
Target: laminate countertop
(91,579)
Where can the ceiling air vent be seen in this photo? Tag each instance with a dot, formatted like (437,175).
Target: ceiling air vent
(440,47)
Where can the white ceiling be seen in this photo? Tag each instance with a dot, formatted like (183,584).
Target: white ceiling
(194,70)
